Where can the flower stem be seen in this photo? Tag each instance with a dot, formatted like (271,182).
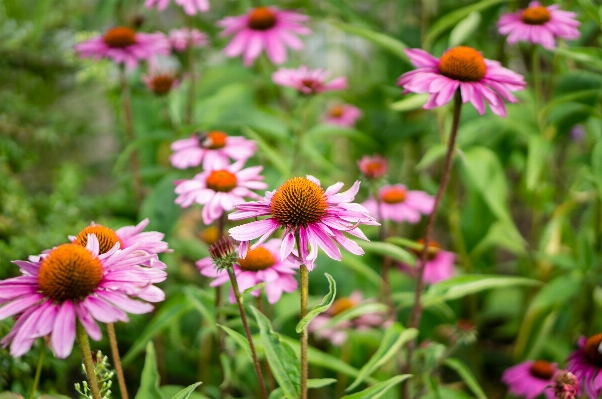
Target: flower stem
(243,317)
(84,347)
(386,285)
(536,70)
(117,360)
(304,274)
(36,379)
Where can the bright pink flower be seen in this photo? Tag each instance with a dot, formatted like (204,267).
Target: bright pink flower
(220,189)
(586,364)
(301,205)
(463,68)
(342,115)
(191,7)
(181,38)
(72,281)
(539,24)
(264,28)
(124,45)
(439,264)
(160,81)
(531,378)
(214,149)
(261,265)
(308,81)
(373,167)
(399,204)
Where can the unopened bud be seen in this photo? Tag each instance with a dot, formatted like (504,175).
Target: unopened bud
(223,253)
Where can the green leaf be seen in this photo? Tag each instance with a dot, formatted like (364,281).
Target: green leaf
(357,265)
(393,340)
(539,148)
(320,382)
(270,153)
(500,234)
(253,288)
(464,29)
(592,11)
(322,307)
(354,312)
(466,376)
(239,339)
(386,42)
(586,55)
(186,392)
(378,390)
(149,382)
(411,102)
(390,250)
(202,302)
(325,132)
(557,291)
(169,391)
(159,206)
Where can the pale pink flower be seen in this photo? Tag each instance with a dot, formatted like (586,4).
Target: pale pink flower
(531,378)
(342,115)
(191,7)
(125,45)
(461,68)
(261,265)
(399,204)
(264,28)
(181,38)
(373,167)
(71,283)
(538,24)
(160,81)
(308,81)
(214,149)
(301,205)
(220,189)
(586,364)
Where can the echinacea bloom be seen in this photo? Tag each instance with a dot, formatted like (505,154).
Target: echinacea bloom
(261,265)
(302,207)
(538,24)
(181,38)
(214,149)
(342,115)
(373,167)
(531,378)
(71,283)
(439,263)
(399,204)
(125,45)
(308,81)
(191,7)
(159,81)
(264,28)
(479,80)
(586,364)
(220,189)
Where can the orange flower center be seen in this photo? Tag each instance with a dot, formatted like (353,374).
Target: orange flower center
(161,84)
(221,180)
(257,259)
(341,305)
(393,195)
(262,18)
(107,238)
(538,15)
(432,249)
(120,37)
(592,350)
(298,202)
(311,84)
(336,111)
(463,63)
(69,272)
(213,140)
(374,169)
(210,235)
(542,370)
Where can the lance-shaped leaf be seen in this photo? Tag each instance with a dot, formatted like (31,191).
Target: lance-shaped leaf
(149,382)
(186,392)
(378,390)
(239,339)
(322,307)
(467,376)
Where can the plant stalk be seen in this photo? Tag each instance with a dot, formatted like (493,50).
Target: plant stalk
(304,274)
(84,347)
(117,361)
(36,379)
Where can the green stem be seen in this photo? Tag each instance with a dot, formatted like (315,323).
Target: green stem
(304,274)
(84,347)
(36,379)
(536,70)
(386,285)
(117,361)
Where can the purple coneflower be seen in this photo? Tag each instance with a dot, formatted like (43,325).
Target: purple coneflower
(531,378)
(308,81)
(586,364)
(373,167)
(181,38)
(191,7)
(342,115)
(399,204)
(160,81)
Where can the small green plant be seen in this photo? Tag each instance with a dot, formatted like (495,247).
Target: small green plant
(104,376)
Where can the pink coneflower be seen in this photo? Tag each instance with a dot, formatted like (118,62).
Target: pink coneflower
(308,81)
(261,265)
(191,7)
(159,81)
(264,28)
(69,282)
(181,38)
(463,68)
(220,189)
(399,204)
(373,167)
(342,115)
(531,378)
(301,205)
(125,45)
(214,149)
(539,25)
(439,263)
(586,364)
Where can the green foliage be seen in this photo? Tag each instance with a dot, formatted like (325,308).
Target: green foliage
(320,308)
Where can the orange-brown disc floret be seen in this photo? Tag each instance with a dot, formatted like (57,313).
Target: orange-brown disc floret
(298,202)
(542,370)
(69,272)
(393,195)
(537,15)
(336,111)
(213,140)
(262,18)
(162,84)
(432,250)
(107,238)
(463,63)
(341,305)
(221,180)
(120,37)
(257,259)
(592,350)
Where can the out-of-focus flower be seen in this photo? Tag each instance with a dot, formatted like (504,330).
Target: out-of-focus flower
(308,81)
(373,167)
(479,80)
(538,24)
(191,7)
(181,38)
(578,133)
(531,378)
(301,206)
(261,265)
(125,45)
(439,263)
(464,332)
(70,283)
(399,204)
(220,189)
(160,82)
(586,364)
(342,115)
(214,149)
(566,385)
(264,28)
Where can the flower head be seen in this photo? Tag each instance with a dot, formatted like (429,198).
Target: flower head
(586,364)
(181,38)
(308,81)
(301,206)
(160,82)
(373,167)
(463,68)
(191,7)
(125,45)
(531,378)
(214,149)
(538,24)
(399,204)
(439,263)
(223,253)
(566,385)
(342,115)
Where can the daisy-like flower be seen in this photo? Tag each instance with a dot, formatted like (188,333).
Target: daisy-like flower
(214,149)
(538,24)
(220,189)
(439,263)
(586,364)
(308,81)
(159,81)
(181,38)
(264,28)
(399,204)
(342,115)
(531,378)
(479,80)
(301,206)
(261,265)
(191,7)
(125,45)
(373,167)
(71,283)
